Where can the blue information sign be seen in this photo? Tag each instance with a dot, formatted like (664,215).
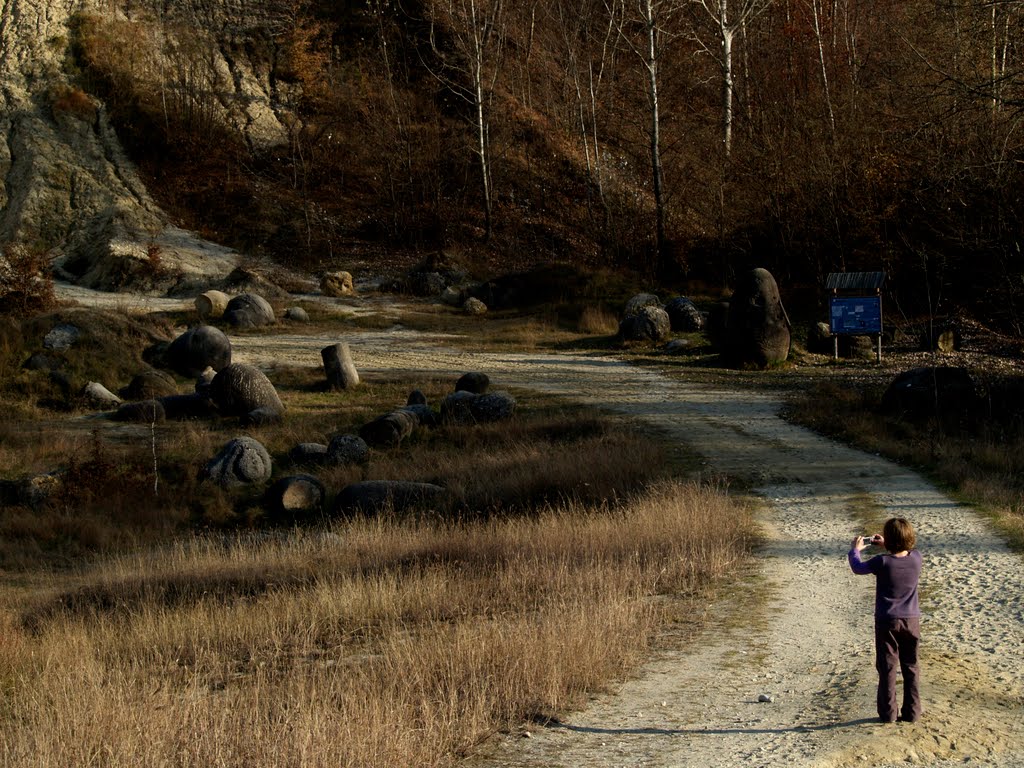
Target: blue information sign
(855,316)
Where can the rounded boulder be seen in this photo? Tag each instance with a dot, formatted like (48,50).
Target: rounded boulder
(249,310)
(240,389)
(197,349)
(684,316)
(242,461)
(649,324)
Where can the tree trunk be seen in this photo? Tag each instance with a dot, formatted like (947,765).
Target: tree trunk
(655,128)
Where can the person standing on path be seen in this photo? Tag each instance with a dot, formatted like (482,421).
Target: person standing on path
(897,614)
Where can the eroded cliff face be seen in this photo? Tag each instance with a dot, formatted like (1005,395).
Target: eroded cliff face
(66,184)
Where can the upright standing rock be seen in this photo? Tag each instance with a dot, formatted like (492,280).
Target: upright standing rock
(338,366)
(757,331)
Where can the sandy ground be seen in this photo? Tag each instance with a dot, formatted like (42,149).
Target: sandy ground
(798,626)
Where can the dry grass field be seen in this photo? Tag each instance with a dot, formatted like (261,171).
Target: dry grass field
(369,642)
(149,619)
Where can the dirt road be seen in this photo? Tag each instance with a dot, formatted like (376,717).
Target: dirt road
(798,629)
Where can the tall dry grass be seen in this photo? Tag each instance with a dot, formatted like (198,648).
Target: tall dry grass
(378,643)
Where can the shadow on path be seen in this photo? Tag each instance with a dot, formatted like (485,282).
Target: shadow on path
(707,731)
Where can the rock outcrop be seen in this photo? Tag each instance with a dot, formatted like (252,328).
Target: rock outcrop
(65,180)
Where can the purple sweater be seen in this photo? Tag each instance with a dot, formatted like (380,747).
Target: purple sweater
(895,582)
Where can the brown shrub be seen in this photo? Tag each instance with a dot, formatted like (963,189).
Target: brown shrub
(26,284)
(64,99)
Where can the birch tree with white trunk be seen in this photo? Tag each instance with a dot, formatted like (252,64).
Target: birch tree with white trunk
(469,58)
(726,18)
(652,22)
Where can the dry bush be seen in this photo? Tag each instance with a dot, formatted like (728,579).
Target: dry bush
(598,321)
(26,283)
(72,101)
(384,643)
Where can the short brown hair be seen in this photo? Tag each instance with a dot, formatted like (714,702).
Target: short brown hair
(899,534)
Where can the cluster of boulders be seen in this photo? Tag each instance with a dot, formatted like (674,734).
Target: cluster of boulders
(750,330)
(442,275)
(245,463)
(647,319)
(202,354)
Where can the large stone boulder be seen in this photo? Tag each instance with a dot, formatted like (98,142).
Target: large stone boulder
(210,305)
(638,302)
(96,394)
(474,381)
(192,407)
(308,454)
(141,412)
(389,430)
(149,385)
(242,461)
(197,349)
(650,323)
(942,392)
(684,316)
(337,284)
(249,310)
(345,450)
(425,415)
(373,496)
(470,408)
(294,499)
(240,389)
(757,331)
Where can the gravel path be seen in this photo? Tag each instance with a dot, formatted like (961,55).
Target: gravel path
(798,627)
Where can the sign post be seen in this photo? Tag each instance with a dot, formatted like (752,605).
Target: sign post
(860,315)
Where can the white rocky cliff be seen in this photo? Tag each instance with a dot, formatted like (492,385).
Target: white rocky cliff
(66,184)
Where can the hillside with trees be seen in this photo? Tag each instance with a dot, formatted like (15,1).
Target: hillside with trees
(683,139)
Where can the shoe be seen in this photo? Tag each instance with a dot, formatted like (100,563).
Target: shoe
(902,719)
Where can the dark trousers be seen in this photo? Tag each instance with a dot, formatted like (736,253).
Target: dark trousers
(896,648)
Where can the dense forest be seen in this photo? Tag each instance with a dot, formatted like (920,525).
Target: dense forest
(682,139)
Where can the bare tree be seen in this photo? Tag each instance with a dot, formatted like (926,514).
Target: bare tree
(587,37)
(468,49)
(727,17)
(652,22)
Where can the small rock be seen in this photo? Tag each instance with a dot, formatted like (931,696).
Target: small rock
(99,395)
(766,698)
(473,306)
(337,284)
(61,337)
(347,449)
(296,314)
